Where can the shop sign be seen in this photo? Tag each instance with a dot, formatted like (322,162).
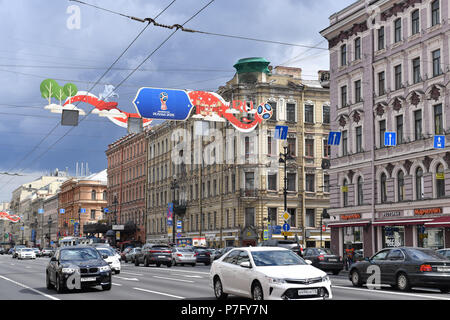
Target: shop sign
(351,216)
(388,214)
(440,176)
(421,212)
(344,188)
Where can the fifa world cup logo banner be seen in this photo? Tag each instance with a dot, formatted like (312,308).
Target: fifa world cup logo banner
(178,105)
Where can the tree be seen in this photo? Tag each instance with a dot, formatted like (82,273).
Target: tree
(48,87)
(70,90)
(59,94)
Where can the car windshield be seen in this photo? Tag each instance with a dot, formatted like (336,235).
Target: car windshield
(79,254)
(106,251)
(160,248)
(325,251)
(424,254)
(26,250)
(276,258)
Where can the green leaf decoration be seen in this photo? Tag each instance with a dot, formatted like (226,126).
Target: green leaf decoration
(70,89)
(59,93)
(48,87)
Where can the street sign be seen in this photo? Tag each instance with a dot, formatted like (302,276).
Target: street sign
(276,229)
(390,139)
(82,210)
(62,211)
(286,215)
(40,211)
(266,234)
(105,210)
(334,138)
(178,235)
(286,227)
(439,142)
(287,234)
(163,104)
(281,132)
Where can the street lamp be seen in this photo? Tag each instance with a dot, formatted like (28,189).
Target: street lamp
(23,228)
(284,157)
(173,186)
(50,220)
(324,215)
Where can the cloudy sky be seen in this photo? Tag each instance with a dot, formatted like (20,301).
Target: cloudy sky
(37,44)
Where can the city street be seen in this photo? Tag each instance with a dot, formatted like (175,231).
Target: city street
(25,280)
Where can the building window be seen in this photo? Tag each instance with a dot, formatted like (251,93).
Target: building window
(272,213)
(269,145)
(419,184)
(343,96)
(326,149)
(436,56)
(310,182)
(383,189)
(343,55)
(274,110)
(105,195)
(249,217)
(398,76)
(309,113)
(438,124)
(357,48)
(358,139)
(415,22)
(435,15)
(418,124)
(398,30)
(326,114)
(310,218)
(249,181)
(399,127)
(358,97)
(290,112)
(381,38)
(326,183)
(344,143)
(381,83)
(292,146)
(345,193)
(382,126)
(93,214)
(416,70)
(440,181)
(293,218)
(291,177)
(401,185)
(309,148)
(272,181)
(94,195)
(360,191)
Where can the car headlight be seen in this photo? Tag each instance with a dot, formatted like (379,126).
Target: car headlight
(325,278)
(104,268)
(68,270)
(275,280)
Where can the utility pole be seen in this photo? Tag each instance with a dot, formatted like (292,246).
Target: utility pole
(284,157)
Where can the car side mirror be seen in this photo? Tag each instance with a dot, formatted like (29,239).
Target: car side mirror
(367,259)
(104,256)
(246,264)
(308,262)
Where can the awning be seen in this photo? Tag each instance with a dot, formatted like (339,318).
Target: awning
(348,224)
(441,222)
(404,222)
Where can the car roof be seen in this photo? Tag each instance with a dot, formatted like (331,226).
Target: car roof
(257,249)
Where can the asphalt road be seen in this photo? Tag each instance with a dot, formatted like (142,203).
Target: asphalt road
(25,280)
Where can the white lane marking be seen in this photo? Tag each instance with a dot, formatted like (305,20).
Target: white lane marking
(394,293)
(173,279)
(26,287)
(117,284)
(129,279)
(187,276)
(133,274)
(170,270)
(161,293)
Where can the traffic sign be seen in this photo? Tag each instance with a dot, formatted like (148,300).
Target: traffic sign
(334,138)
(390,139)
(178,235)
(105,210)
(62,211)
(281,132)
(82,210)
(287,234)
(40,211)
(439,142)
(276,229)
(266,234)
(286,215)
(286,227)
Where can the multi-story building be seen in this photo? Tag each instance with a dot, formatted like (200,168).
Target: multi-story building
(82,201)
(232,199)
(389,74)
(127,186)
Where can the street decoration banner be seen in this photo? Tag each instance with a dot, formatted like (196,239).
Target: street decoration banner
(9,217)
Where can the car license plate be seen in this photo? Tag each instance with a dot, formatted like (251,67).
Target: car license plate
(88,279)
(161,256)
(332,260)
(307,292)
(443,269)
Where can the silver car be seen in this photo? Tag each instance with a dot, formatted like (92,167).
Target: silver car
(183,256)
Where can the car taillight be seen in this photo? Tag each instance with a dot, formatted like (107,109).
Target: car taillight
(154,251)
(426,268)
(321,257)
(208,254)
(195,254)
(167,251)
(179,255)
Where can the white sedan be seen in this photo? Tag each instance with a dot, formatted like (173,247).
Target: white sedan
(26,253)
(268,273)
(111,257)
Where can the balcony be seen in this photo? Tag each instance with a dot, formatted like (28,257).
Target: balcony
(250,193)
(179,208)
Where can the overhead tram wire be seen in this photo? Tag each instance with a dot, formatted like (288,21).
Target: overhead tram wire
(103,75)
(148,57)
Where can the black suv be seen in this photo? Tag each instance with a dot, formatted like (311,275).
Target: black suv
(84,262)
(154,254)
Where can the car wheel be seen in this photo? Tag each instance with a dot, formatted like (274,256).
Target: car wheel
(48,282)
(336,272)
(106,287)
(193,264)
(59,285)
(257,292)
(356,278)
(158,264)
(117,272)
(218,290)
(136,262)
(169,265)
(403,282)
(207,263)
(145,262)
(174,262)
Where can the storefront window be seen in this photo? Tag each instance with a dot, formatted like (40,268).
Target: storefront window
(432,238)
(393,236)
(353,237)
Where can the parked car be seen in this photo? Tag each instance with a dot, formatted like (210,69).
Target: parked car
(404,268)
(268,273)
(26,253)
(124,252)
(444,252)
(130,256)
(107,246)
(288,244)
(37,252)
(93,270)
(221,252)
(110,256)
(203,256)
(16,248)
(3,251)
(183,256)
(47,252)
(11,251)
(324,259)
(157,254)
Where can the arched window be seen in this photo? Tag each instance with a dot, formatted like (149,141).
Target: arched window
(419,184)
(345,192)
(440,181)
(383,190)
(401,185)
(360,191)
(94,195)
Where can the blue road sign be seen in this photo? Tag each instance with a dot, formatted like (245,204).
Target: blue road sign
(179,224)
(106,210)
(178,235)
(439,142)
(334,138)
(390,139)
(40,210)
(276,229)
(82,210)
(163,104)
(281,132)
(62,211)
(286,227)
